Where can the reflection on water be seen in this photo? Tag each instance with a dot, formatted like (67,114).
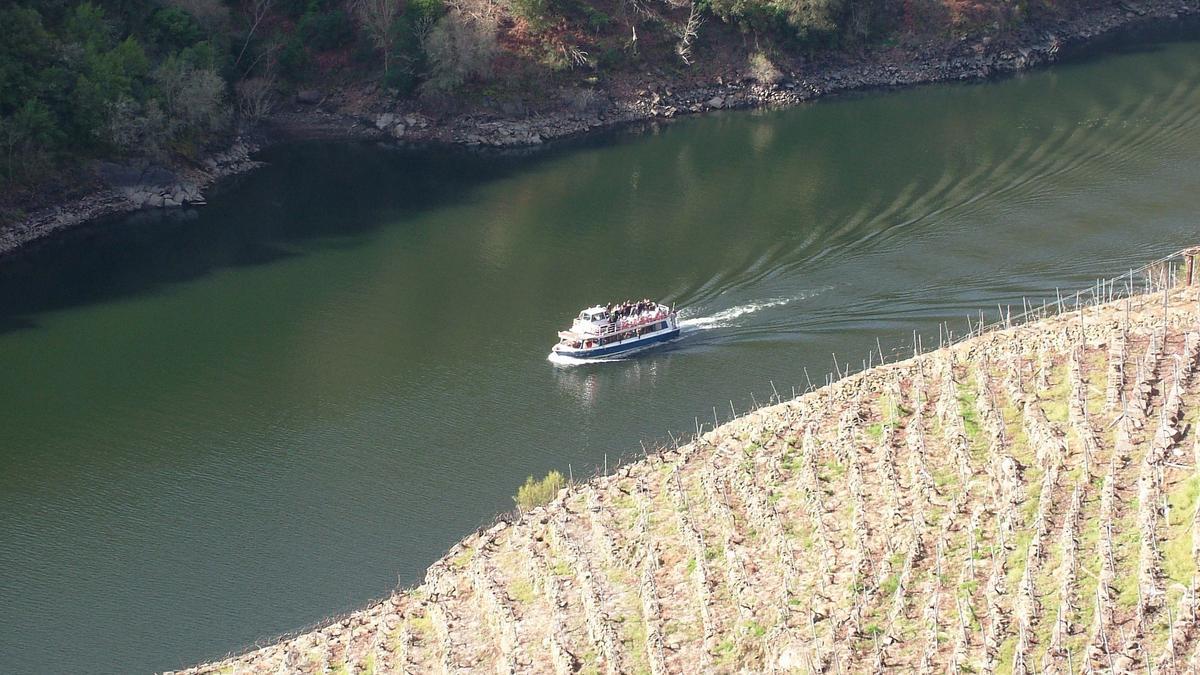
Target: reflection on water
(586,383)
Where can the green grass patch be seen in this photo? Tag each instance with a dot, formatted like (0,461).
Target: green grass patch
(422,625)
(967,397)
(875,431)
(968,588)
(614,575)
(635,633)
(755,629)
(463,559)
(1177,553)
(589,663)
(1054,402)
(726,652)
(889,585)
(1033,478)
(521,590)
(1004,656)
(1016,558)
(834,470)
(1126,543)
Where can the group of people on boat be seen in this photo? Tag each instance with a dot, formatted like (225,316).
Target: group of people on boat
(630,308)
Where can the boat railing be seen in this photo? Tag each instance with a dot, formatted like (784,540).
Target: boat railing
(625,324)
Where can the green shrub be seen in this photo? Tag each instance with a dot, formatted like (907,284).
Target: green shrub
(533,11)
(325,30)
(539,492)
(407,62)
(424,10)
(596,19)
(295,8)
(460,47)
(293,59)
(172,28)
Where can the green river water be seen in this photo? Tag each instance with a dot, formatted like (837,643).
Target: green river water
(219,425)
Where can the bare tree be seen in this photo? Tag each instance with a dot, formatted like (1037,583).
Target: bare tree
(574,56)
(688,33)
(377,17)
(258,10)
(254,96)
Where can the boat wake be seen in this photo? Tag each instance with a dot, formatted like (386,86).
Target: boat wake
(727,318)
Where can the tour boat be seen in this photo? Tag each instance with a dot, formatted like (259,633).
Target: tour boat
(608,330)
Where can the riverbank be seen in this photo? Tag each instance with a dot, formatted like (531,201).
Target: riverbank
(1022,500)
(624,100)
(120,189)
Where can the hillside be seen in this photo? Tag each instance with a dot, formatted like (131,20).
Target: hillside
(1022,501)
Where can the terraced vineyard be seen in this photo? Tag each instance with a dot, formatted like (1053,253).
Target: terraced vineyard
(1024,501)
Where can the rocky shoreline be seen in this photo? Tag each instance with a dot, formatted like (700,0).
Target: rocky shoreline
(131,188)
(966,60)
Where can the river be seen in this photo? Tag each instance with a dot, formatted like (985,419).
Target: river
(224,424)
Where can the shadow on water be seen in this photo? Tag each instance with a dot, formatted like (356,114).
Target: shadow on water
(310,196)
(1147,38)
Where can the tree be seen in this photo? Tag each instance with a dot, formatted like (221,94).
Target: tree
(254,97)
(135,128)
(688,34)
(27,138)
(461,46)
(811,16)
(193,98)
(258,10)
(25,50)
(86,26)
(378,18)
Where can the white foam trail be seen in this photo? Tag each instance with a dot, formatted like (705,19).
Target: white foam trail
(726,318)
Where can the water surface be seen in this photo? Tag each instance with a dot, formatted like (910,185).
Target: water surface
(221,425)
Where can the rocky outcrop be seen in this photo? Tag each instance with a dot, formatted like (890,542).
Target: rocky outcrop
(131,187)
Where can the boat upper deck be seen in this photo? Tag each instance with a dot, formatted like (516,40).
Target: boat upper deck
(608,320)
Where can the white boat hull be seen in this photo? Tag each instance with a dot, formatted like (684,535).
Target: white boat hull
(623,347)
